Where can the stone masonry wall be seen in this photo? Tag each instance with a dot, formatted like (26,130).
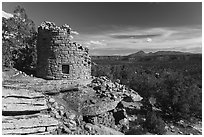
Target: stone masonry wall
(56,52)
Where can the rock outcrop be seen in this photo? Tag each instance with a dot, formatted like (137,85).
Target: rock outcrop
(28,124)
(35,106)
(24,113)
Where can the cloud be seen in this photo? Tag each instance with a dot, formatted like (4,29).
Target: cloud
(132,39)
(149,40)
(74,32)
(6,15)
(128,36)
(95,43)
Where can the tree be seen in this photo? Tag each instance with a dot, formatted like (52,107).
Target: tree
(179,97)
(19,41)
(154,123)
(20,12)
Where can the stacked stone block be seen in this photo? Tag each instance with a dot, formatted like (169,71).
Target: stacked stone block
(56,52)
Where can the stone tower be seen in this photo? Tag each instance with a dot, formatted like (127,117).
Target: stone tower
(58,57)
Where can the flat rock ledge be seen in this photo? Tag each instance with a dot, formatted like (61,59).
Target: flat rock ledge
(23,113)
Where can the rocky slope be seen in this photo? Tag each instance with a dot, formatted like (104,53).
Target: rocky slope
(36,106)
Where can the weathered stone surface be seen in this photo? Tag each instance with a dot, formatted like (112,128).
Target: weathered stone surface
(22,107)
(136,97)
(58,86)
(107,119)
(99,108)
(14,86)
(28,122)
(51,100)
(47,88)
(23,131)
(106,87)
(72,125)
(132,105)
(102,130)
(66,129)
(21,116)
(14,100)
(23,110)
(51,128)
(41,133)
(72,116)
(21,93)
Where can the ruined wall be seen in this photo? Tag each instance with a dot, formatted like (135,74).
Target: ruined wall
(58,57)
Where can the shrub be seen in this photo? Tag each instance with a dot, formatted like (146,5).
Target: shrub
(154,123)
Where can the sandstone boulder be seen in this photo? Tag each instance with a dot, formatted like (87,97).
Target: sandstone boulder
(100,107)
(136,97)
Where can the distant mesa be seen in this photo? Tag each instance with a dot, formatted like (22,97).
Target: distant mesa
(170,53)
(139,53)
(142,53)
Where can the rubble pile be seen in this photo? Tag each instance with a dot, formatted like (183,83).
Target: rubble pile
(51,26)
(116,105)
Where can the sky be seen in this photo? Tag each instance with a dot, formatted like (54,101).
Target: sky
(122,28)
